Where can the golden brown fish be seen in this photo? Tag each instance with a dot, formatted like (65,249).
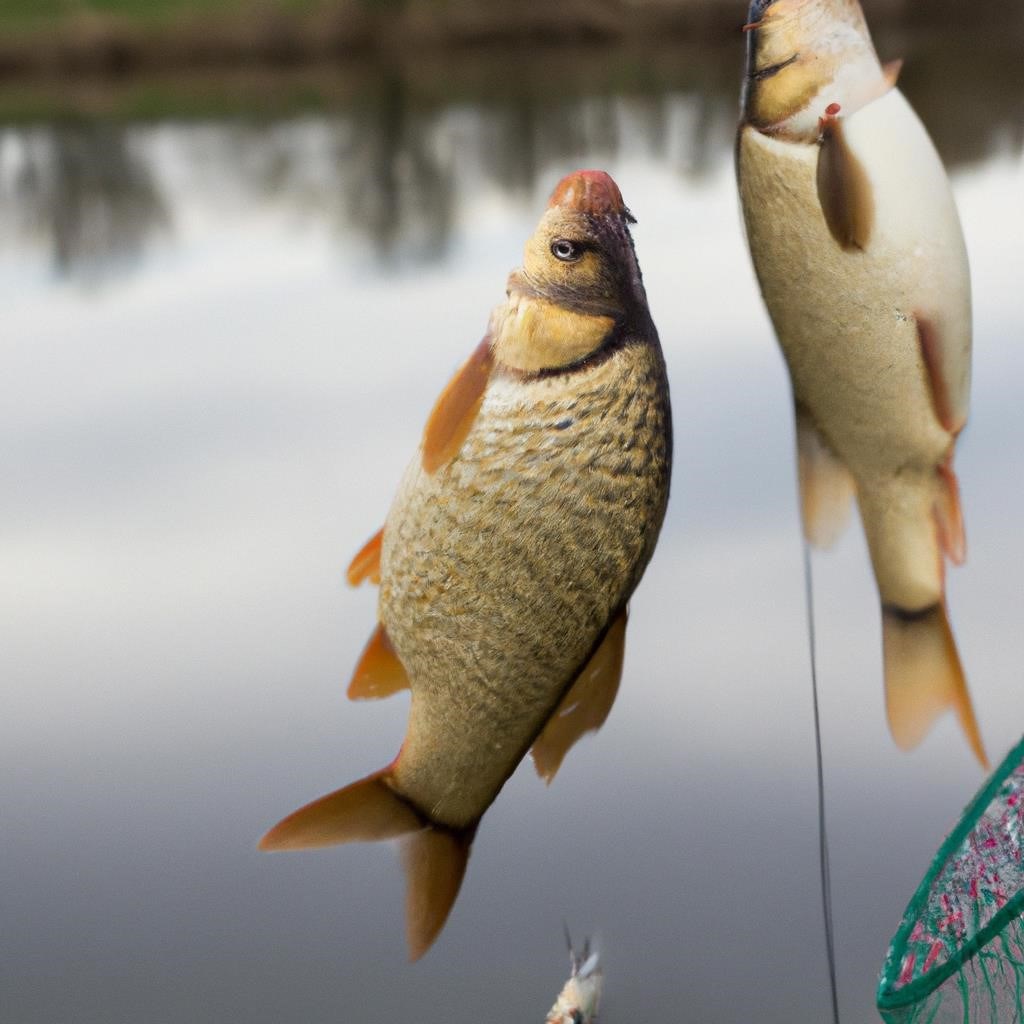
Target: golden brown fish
(515,540)
(861,260)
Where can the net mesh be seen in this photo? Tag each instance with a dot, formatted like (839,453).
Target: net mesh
(958,954)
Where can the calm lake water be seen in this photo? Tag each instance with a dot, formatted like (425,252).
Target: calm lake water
(220,341)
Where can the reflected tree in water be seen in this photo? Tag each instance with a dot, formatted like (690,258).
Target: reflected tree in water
(394,162)
(396,176)
(86,191)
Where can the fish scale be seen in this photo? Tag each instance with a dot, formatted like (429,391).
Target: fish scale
(449,618)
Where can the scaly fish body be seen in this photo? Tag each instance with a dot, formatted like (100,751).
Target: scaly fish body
(499,577)
(515,540)
(858,249)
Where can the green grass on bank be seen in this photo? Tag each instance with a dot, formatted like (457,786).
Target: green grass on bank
(43,13)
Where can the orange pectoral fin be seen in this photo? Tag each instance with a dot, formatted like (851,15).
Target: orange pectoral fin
(587,703)
(844,191)
(365,811)
(454,412)
(379,672)
(366,564)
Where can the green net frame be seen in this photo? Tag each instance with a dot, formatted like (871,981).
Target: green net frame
(958,954)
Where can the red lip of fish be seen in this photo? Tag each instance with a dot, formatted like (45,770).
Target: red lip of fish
(590,192)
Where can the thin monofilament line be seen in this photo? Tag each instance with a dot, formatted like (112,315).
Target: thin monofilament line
(826,880)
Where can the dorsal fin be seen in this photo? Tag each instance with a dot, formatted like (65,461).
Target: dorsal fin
(379,672)
(454,412)
(366,564)
(844,190)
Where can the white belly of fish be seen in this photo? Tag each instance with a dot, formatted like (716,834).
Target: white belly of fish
(847,319)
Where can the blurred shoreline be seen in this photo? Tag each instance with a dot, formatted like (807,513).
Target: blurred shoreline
(87,40)
(962,69)
(386,144)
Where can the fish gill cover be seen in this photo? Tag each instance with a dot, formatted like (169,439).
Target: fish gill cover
(958,954)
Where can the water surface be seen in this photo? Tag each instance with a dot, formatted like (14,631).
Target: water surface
(221,339)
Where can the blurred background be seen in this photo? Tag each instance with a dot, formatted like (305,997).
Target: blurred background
(242,247)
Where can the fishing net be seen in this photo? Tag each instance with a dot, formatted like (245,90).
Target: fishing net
(958,954)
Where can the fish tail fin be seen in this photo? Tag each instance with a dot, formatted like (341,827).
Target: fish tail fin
(924,677)
(363,812)
(435,860)
(434,856)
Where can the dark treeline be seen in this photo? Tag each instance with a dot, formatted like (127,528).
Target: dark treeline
(393,170)
(84,40)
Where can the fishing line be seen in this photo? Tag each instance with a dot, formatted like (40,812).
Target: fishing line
(826,880)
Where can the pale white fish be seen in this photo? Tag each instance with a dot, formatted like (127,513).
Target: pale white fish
(580,998)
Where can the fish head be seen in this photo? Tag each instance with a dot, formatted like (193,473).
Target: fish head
(582,249)
(579,281)
(802,56)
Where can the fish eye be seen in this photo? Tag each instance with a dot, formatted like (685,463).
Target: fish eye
(565,250)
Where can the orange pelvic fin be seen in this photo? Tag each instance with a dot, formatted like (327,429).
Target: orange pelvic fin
(826,485)
(365,811)
(844,190)
(923,677)
(454,412)
(948,411)
(949,515)
(587,703)
(379,672)
(366,564)
(435,863)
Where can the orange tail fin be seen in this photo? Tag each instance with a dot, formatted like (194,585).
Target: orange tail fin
(923,677)
(368,810)
(435,863)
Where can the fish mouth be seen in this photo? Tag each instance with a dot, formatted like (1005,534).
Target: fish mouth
(590,192)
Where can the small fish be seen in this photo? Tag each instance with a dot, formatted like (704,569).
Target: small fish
(580,998)
(858,249)
(518,534)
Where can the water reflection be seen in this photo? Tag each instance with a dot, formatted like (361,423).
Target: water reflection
(396,182)
(89,191)
(395,161)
